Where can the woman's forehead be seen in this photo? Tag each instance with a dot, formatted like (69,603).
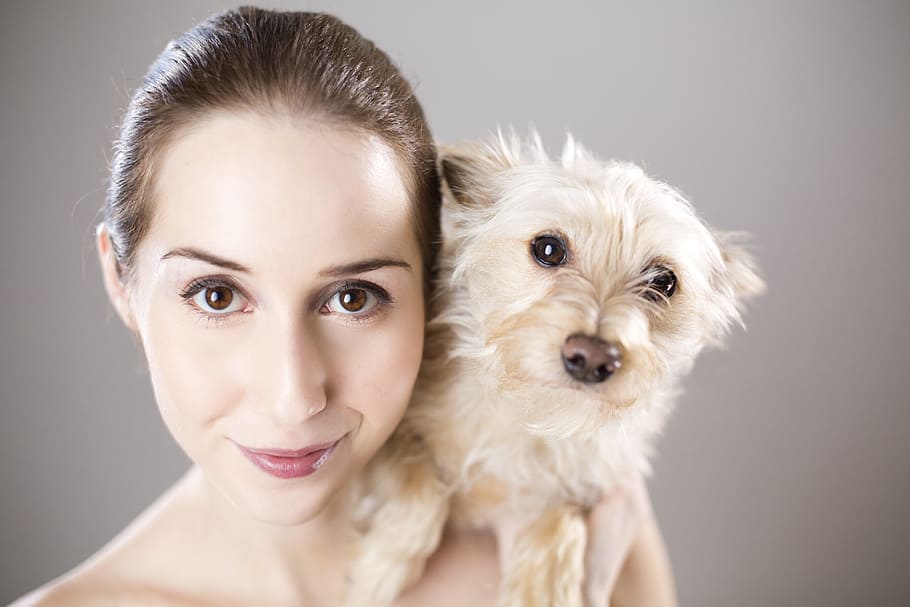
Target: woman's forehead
(258,188)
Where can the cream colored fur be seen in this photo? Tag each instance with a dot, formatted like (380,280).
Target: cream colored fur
(496,423)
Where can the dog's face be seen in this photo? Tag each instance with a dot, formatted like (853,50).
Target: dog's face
(592,284)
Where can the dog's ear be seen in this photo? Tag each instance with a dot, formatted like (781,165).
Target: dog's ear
(458,175)
(733,281)
(740,267)
(469,169)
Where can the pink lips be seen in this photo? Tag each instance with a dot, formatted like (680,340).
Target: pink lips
(285,463)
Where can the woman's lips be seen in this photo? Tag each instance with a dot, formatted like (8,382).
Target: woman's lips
(285,463)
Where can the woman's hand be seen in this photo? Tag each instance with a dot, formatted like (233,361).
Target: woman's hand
(625,559)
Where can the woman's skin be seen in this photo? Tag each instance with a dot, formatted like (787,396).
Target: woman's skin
(306,329)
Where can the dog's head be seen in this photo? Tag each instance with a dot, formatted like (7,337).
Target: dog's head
(590,284)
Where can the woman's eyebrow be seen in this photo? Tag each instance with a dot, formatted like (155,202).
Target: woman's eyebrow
(357,267)
(367,265)
(206,257)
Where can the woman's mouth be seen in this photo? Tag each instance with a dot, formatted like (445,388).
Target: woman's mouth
(287,463)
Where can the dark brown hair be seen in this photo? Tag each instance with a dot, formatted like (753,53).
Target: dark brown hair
(310,65)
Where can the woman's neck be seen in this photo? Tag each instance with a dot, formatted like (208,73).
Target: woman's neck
(301,564)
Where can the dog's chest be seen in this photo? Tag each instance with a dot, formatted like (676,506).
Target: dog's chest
(526,473)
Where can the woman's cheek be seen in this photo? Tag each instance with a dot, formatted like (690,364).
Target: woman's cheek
(380,374)
(189,375)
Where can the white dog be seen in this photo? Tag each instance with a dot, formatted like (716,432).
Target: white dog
(573,296)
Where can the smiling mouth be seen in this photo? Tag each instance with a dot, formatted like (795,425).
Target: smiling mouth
(287,464)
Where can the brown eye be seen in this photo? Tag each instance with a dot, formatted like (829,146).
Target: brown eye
(357,302)
(662,285)
(218,298)
(213,296)
(549,251)
(352,300)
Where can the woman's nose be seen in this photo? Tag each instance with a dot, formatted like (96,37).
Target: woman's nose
(300,376)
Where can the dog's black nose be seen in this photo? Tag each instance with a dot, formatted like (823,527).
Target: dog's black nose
(590,359)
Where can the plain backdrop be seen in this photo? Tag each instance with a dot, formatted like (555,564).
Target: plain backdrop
(783,476)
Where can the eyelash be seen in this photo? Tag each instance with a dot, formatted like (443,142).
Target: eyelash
(383,300)
(209,282)
(211,319)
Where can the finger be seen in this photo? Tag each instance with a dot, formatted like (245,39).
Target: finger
(505,530)
(613,525)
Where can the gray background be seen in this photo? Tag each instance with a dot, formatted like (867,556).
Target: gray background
(782,478)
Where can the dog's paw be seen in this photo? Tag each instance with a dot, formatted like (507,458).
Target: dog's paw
(546,568)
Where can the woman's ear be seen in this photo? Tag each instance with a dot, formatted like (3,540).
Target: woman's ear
(113,282)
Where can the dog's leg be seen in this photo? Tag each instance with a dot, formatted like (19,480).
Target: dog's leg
(546,568)
(405,529)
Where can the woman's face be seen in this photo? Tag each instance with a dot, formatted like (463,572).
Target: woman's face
(278,297)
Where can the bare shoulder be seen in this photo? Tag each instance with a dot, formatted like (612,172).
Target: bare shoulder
(105,585)
(130,570)
(102,583)
(84,591)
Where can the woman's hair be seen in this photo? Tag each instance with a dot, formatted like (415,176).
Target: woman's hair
(308,65)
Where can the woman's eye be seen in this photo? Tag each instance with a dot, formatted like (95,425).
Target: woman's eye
(353,300)
(218,299)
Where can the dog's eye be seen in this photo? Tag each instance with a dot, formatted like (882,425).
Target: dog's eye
(549,251)
(662,285)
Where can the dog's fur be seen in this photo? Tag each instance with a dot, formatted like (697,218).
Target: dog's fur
(497,424)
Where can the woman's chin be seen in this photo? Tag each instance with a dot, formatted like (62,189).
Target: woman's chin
(297,506)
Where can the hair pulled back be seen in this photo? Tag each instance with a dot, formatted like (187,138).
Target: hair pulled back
(308,65)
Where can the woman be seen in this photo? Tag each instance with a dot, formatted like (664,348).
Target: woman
(268,237)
